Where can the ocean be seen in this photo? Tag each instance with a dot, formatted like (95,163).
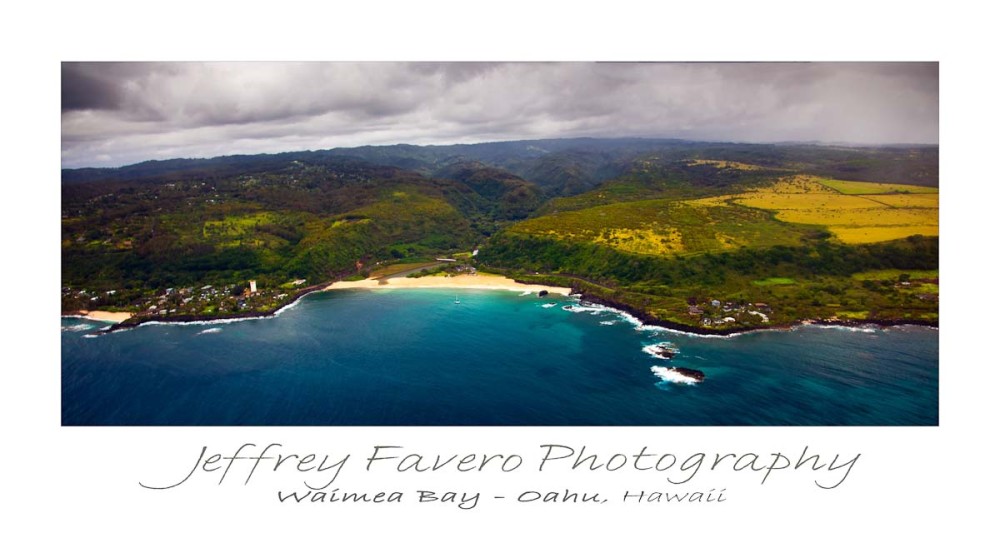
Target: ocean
(416,358)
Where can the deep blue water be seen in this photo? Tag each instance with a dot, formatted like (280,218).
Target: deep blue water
(414,357)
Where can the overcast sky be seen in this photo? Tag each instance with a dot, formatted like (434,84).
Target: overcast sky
(119,113)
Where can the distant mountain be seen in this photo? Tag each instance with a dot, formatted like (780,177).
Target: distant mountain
(215,167)
(560,167)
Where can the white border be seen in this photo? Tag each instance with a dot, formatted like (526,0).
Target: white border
(908,478)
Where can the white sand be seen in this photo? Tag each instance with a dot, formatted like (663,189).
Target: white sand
(105,316)
(462,281)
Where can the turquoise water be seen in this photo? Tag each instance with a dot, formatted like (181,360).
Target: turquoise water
(414,357)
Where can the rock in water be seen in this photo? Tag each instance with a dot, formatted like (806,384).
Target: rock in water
(543,292)
(696,375)
(664,352)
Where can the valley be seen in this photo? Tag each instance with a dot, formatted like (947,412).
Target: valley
(712,237)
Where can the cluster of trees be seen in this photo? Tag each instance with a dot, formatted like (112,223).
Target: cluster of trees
(304,221)
(819,273)
(315,215)
(611,267)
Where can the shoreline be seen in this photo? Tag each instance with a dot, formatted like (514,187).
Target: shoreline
(647,320)
(121,321)
(135,321)
(461,281)
(125,321)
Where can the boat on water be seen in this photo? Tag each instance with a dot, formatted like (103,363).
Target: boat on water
(456,299)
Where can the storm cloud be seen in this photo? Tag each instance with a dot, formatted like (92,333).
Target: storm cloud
(120,113)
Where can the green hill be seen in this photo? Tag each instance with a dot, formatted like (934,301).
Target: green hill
(661,226)
(740,246)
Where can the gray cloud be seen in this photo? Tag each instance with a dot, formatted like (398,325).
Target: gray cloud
(119,113)
(82,89)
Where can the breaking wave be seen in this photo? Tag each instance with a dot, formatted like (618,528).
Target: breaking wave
(204,322)
(594,309)
(624,316)
(287,307)
(653,349)
(861,329)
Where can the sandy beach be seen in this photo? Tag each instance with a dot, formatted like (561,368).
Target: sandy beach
(105,316)
(462,281)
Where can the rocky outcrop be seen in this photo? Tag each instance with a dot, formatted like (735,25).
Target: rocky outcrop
(696,375)
(663,352)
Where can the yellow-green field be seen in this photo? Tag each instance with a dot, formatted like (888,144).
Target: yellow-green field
(905,200)
(657,241)
(773,281)
(823,202)
(801,184)
(236,225)
(875,216)
(724,164)
(868,234)
(665,227)
(345,221)
(855,212)
(863,187)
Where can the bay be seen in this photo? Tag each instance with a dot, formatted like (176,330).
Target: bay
(415,358)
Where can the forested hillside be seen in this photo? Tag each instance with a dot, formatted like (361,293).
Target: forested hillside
(663,226)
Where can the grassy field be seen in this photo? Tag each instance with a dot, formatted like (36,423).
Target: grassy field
(929,201)
(766,199)
(724,164)
(872,217)
(773,281)
(767,243)
(800,204)
(862,187)
(880,233)
(664,227)
(854,212)
(666,240)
